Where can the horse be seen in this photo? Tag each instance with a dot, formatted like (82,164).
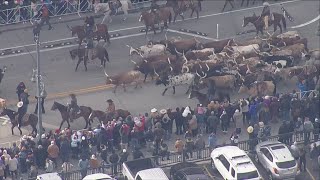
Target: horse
(151,18)
(27,119)
(258,23)
(118,113)
(182,6)
(100,32)
(66,115)
(97,52)
(100,115)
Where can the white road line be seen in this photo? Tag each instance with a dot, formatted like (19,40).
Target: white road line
(136,27)
(307,23)
(190,34)
(68,46)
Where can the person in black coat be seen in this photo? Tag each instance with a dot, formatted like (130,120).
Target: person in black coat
(19,90)
(114,159)
(65,148)
(179,121)
(41,156)
(123,156)
(137,154)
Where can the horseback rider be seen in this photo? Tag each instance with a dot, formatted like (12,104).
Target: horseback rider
(22,106)
(266,14)
(154,7)
(111,107)
(89,25)
(73,106)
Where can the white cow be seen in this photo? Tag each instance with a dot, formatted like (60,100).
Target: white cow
(148,50)
(253,48)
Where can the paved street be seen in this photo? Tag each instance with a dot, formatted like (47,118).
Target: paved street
(61,79)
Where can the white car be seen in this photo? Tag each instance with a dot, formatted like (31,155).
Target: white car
(98,176)
(49,176)
(233,163)
(277,159)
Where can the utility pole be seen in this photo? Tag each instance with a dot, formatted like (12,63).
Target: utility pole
(36,32)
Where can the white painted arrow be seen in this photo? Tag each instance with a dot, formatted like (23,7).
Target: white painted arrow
(307,23)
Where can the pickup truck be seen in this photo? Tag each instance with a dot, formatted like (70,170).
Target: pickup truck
(142,169)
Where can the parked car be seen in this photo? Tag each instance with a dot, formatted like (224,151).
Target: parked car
(277,159)
(187,171)
(233,163)
(98,176)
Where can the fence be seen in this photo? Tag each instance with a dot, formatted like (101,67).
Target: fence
(202,155)
(18,13)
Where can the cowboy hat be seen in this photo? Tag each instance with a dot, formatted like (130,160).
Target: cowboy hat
(103,147)
(19,104)
(267,97)
(266,4)
(163,111)
(250,129)
(109,101)
(153,110)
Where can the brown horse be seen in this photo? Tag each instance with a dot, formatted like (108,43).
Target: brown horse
(100,32)
(27,119)
(100,115)
(182,6)
(97,52)
(66,115)
(151,18)
(258,23)
(118,113)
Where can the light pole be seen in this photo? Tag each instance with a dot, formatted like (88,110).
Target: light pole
(36,33)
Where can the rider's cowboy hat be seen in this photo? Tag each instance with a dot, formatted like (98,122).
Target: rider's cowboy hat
(19,104)
(109,101)
(266,4)
(163,111)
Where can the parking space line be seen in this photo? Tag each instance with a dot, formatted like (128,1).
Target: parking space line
(211,176)
(310,174)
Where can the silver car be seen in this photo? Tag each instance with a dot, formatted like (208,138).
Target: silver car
(277,159)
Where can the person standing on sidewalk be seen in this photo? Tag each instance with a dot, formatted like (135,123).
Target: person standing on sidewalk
(45,17)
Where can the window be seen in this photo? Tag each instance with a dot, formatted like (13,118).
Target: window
(225,162)
(138,178)
(248,175)
(232,172)
(286,164)
(267,154)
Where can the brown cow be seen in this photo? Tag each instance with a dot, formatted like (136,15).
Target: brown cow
(297,50)
(221,82)
(178,47)
(217,45)
(124,79)
(259,88)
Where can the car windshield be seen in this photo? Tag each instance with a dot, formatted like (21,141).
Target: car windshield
(286,164)
(248,175)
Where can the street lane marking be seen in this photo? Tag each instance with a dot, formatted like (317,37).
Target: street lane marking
(190,34)
(310,174)
(306,23)
(211,176)
(186,19)
(68,46)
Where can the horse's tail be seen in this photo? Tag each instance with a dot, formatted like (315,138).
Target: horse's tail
(284,22)
(106,55)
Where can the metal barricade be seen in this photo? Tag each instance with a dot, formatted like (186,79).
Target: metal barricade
(20,13)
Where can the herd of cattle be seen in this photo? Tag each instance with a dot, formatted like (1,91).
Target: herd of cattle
(254,66)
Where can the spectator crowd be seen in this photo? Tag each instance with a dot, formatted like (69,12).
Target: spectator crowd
(112,142)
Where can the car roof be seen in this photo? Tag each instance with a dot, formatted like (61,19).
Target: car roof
(153,172)
(192,170)
(279,150)
(97,176)
(237,157)
(49,176)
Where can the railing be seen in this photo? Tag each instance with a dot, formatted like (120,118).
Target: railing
(20,13)
(307,94)
(204,154)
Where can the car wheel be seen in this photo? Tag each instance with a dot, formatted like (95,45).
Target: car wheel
(212,165)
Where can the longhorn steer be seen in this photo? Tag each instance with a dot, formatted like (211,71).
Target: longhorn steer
(124,79)
(200,54)
(177,47)
(313,54)
(148,67)
(297,50)
(148,50)
(244,50)
(2,71)
(259,88)
(222,82)
(178,80)
(289,34)
(217,45)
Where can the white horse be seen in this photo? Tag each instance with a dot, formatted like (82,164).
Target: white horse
(104,7)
